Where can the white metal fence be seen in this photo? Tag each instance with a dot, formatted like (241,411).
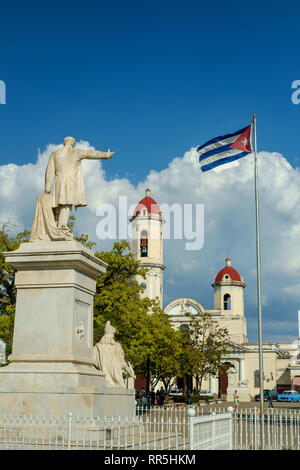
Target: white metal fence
(281,428)
(158,428)
(150,429)
(210,432)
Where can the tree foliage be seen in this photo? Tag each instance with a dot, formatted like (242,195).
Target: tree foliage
(205,347)
(159,343)
(7,283)
(7,272)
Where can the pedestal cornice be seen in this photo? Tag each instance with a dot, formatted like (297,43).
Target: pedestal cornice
(55,255)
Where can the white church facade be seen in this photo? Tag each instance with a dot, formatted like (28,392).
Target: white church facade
(281,365)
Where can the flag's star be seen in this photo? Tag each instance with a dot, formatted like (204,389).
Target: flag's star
(245,141)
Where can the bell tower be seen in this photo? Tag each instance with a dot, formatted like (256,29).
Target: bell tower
(147,245)
(229,301)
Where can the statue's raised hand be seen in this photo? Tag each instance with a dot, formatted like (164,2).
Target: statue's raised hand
(110,154)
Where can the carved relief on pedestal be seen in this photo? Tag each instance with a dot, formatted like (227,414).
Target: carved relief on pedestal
(80,331)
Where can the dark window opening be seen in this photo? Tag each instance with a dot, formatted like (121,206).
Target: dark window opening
(144,244)
(227,302)
(185,329)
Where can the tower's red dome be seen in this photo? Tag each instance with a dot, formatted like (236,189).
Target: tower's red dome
(229,271)
(147,203)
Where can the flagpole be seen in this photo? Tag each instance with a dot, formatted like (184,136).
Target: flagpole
(259,297)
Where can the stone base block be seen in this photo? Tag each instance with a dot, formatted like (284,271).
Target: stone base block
(29,389)
(81,403)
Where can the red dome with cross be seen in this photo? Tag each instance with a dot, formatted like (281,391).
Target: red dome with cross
(147,203)
(229,271)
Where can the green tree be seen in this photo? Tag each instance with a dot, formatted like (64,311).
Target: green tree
(162,345)
(7,283)
(205,347)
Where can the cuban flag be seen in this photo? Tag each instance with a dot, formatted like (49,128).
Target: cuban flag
(225,149)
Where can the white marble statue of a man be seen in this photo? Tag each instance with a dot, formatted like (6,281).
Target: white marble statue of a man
(64,172)
(109,357)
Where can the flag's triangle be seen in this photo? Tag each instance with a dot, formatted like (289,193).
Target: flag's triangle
(243,142)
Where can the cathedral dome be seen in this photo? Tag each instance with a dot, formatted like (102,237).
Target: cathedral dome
(230,272)
(147,203)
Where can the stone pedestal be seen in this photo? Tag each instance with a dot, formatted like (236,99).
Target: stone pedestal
(52,369)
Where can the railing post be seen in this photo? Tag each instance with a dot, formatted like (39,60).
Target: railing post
(231,433)
(230,410)
(213,430)
(255,428)
(69,430)
(191,414)
(280,430)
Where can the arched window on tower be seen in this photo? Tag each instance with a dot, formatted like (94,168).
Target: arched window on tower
(227,302)
(144,244)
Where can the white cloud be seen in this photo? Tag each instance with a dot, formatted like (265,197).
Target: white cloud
(228,197)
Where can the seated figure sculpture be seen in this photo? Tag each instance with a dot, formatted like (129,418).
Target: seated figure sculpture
(109,357)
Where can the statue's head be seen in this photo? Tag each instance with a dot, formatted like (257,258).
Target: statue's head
(108,337)
(69,142)
(109,329)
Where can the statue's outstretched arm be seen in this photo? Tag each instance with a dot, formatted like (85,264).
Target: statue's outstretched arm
(95,154)
(50,174)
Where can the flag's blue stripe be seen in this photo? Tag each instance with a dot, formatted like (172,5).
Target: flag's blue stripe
(212,165)
(216,139)
(222,148)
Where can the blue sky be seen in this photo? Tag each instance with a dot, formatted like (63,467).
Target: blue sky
(151,80)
